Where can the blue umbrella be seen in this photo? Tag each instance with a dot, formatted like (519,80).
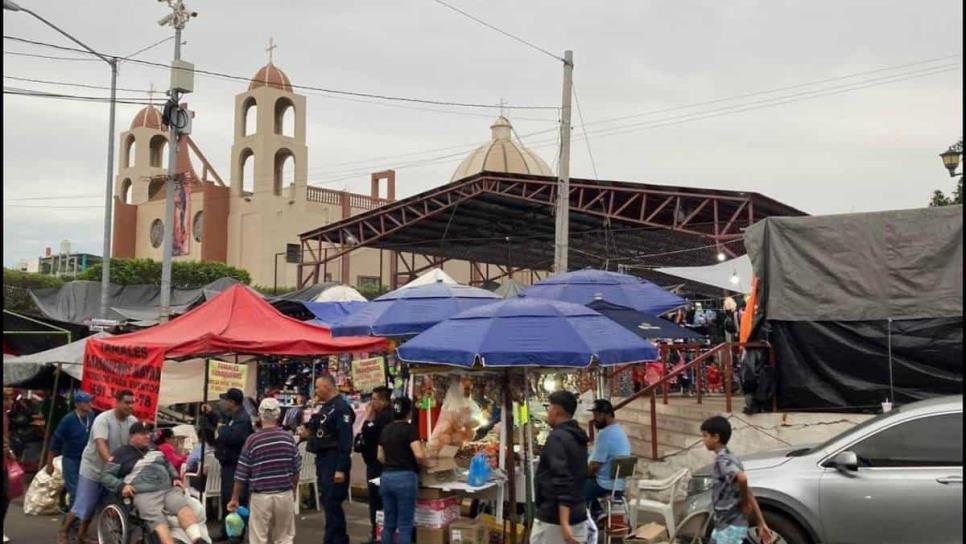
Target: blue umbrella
(527,331)
(641,324)
(584,286)
(332,313)
(411,310)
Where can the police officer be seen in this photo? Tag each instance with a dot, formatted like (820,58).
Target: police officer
(329,436)
(230,436)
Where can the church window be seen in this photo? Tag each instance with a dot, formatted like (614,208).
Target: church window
(284,170)
(285,117)
(154,186)
(159,151)
(246,167)
(126,191)
(249,116)
(157,233)
(198,226)
(127,153)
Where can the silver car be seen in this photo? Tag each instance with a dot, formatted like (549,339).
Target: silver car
(895,478)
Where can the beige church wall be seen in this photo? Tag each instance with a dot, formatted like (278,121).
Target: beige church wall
(138,169)
(147,213)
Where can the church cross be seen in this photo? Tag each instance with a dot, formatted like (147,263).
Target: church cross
(502,103)
(271,50)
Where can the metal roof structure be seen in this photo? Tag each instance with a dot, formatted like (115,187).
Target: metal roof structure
(507,220)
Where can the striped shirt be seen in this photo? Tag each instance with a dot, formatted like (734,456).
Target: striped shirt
(268,462)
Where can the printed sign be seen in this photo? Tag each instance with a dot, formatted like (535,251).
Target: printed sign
(223,375)
(367,374)
(110,368)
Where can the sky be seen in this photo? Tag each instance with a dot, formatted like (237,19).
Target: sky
(830,107)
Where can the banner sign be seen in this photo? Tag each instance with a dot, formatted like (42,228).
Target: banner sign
(367,374)
(222,376)
(109,368)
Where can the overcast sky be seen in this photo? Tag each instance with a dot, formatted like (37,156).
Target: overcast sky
(854,149)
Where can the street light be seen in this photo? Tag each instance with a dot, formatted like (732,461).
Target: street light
(9,5)
(951,158)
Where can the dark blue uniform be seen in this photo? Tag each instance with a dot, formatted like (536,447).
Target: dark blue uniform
(228,445)
(330,438)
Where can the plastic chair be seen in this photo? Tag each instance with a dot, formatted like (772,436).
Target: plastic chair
(673,485)
(307,476)
(212,483)
(694,526)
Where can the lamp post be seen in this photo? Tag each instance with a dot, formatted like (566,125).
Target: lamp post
(9,5)
(952,157)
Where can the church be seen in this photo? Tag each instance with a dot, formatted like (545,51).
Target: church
(267,201)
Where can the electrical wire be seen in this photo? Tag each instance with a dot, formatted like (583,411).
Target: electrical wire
(294,86)
(583,127)
(505,33)
(69,84)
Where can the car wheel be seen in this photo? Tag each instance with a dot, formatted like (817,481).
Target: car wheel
(788,529)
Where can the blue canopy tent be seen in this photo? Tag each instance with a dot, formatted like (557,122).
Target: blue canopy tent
(527,331)
(329,314)
(584,286)
(411,310)
(642,324)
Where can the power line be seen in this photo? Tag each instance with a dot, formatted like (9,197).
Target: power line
(41,94)
(583,127)
(48,57)
(69,84)
(505,33)
(294,86)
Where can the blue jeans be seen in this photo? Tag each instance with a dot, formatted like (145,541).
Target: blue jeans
(592,492)
(398,489)
(89,495)
(71,470)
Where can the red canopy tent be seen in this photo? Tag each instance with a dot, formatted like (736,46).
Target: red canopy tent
(237,321)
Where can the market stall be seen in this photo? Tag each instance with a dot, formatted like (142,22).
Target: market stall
(507,345)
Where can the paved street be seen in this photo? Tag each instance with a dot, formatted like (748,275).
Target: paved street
(23,529)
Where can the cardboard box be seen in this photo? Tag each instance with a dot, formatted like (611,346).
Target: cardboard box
(433,493)
(468,531)
(436,513)
(494,529)
(652,533)
(444,469)
(432,536)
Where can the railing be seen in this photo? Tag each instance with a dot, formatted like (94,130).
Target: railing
(328,196)
(651,389)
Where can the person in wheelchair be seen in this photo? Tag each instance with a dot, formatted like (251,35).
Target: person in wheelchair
(143,474)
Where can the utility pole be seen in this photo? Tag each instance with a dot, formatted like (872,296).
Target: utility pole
(181,80)
(562,226)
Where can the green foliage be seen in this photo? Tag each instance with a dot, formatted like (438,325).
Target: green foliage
(184,274)
(941,199)
(17,286)
(373,292)
(269,290)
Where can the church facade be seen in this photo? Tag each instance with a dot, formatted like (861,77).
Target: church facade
(267,201)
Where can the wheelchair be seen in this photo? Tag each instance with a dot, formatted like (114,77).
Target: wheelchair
(119,523)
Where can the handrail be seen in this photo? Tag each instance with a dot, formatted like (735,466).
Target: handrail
(651,389)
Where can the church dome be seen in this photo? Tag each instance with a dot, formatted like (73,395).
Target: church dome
(271,76)
(148,117)
(502,154)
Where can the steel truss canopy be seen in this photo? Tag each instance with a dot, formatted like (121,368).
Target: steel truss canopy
(508,220)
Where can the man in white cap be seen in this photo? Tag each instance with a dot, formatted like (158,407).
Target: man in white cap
(269,465)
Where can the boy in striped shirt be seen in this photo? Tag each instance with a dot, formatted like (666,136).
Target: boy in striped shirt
(269,465)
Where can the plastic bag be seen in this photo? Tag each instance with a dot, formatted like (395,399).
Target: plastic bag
(479,470)
(234,525)
(14,479)
(42,495)
(459,417)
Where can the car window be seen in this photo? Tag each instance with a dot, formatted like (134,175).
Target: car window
(927,441)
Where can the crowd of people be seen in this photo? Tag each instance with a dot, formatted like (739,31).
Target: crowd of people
(114,454)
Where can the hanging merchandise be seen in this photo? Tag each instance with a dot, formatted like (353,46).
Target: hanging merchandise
(459,417)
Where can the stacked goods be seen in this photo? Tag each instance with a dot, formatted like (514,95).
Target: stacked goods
(459,417)
(436,513)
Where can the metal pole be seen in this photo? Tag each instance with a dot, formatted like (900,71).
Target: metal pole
(108,198)
(50,413)
(892,392)
(562,225)
(169,193)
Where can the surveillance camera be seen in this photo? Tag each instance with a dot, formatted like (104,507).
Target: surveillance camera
(194,13)
(166,20)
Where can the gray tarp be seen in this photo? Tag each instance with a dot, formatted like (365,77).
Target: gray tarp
(721,275)
(18,370)
(80,301)
(905,264)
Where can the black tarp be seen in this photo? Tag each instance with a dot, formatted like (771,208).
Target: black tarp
(26,334)
(836,292)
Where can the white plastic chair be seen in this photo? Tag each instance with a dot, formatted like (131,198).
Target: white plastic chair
(212,483)
(672,484)
(307,476)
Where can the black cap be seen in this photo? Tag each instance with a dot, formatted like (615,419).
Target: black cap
(603,406)
(234,394)
(141,427)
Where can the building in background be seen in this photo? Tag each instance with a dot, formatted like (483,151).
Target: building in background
(267,202)
(64,264)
